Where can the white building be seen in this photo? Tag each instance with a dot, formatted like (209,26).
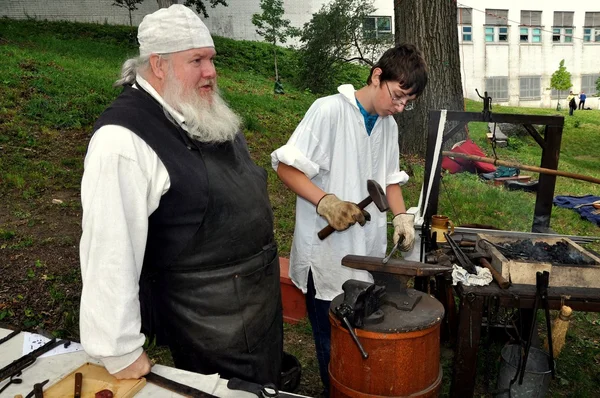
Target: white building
(509,48)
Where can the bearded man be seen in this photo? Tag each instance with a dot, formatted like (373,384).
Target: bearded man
(177,237)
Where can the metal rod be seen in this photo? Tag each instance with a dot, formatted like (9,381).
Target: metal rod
(574,238)
(10,336)
(522,166)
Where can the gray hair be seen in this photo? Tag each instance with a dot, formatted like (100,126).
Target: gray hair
(131,68)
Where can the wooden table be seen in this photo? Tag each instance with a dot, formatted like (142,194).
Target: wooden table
(472,300)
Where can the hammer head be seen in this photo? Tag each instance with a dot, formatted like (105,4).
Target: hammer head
(377,195)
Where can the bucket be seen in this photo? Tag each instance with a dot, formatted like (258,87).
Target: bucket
(403,352)
(536,380)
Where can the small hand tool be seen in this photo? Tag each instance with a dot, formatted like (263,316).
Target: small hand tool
(596,203)
(78,384)
(376,195)
(174,386)
(13,380)
(10,336)
(541,298)
(262,391)
(38,390)
(387,258)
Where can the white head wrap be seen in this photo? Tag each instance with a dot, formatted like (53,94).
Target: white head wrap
(172,29)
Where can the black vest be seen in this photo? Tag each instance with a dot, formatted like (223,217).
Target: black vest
(210,280)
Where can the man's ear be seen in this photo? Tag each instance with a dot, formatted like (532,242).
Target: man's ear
(158,66)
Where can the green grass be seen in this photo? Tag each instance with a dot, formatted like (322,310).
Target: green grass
(57,79)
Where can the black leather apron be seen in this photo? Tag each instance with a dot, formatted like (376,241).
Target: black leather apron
(222,296)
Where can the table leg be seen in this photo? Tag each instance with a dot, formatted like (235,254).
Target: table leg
(445,294)
(465,352)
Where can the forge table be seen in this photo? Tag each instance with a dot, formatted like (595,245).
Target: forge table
(472,300)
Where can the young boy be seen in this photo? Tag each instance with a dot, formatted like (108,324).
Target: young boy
(343,141)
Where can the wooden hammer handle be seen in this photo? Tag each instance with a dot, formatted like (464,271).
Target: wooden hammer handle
(328,230)
(503,283)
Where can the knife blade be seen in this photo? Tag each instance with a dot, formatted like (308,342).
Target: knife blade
(174,386)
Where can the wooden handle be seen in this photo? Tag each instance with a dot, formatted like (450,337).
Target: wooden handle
(78,384)
(503,283)
(328,230)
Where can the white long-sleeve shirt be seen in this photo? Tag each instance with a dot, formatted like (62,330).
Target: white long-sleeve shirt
(123,182)
(332,148)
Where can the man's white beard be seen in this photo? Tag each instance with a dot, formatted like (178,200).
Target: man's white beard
(209,121)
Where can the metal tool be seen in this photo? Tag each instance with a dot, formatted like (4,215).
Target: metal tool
(174,386)
(262,391)
(387,258)
(376,195)
(360,306)
(10,336)
(595,203)
(461,257)
(542,281)
(38,390)
(13,380)
(16,366)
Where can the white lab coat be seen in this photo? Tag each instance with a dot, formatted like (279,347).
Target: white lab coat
(332,148)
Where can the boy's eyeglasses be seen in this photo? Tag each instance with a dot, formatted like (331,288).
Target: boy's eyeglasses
(408,105)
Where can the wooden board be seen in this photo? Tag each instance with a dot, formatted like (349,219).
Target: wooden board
(524,271)
(95,378)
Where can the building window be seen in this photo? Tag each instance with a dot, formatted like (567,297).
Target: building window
(498,31)
(562,30)
(530,35)
(377,27)
(562,35)
(591,35)
(531,27)
(467,34)
(588,83)
(591,27)
(529,87)
(464,18)
(497,88)
(496,34)
(560,94)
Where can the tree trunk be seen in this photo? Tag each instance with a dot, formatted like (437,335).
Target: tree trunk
(165,3)
(431,26)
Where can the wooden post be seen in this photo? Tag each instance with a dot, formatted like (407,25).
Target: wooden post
(545,193)
(467,344)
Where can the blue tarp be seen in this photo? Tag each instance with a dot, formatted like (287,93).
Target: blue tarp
(570,202)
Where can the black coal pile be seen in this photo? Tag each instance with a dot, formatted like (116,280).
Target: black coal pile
(558,253)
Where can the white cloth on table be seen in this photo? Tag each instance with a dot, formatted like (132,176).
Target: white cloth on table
(459,274)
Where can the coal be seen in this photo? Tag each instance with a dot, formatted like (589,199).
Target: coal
(559,253)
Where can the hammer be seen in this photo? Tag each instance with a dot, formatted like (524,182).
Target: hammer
(376,195)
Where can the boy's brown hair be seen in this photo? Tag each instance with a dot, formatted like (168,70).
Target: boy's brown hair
(403,63)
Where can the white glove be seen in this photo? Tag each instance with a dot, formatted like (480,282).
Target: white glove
(404,227)
(340,214)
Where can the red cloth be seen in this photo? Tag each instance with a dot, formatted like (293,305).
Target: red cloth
(458,165)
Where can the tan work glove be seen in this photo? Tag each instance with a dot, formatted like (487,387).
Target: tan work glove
(404,227)
(341,214)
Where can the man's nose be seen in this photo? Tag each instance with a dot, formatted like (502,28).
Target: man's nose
(209,71)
